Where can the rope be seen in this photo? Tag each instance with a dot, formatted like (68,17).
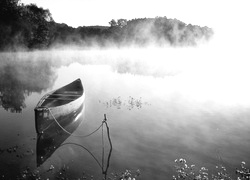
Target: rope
(75,135)
(101,165)
(105,172)
(102,149)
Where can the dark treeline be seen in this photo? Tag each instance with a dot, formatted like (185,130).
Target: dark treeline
(30,27)
(24,26)
(158,31)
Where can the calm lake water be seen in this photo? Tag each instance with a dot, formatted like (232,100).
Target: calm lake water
(160,104)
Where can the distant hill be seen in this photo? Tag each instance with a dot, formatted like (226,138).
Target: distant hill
(30,27)
(159,31)
(100,27)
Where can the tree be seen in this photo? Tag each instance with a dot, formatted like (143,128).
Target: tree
(23,25)
(9,11)
(121,22)
(9,22)
(38,23)
(113,23)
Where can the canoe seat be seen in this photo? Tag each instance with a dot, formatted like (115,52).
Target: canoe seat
(63,96)
(52,102)
(59,99)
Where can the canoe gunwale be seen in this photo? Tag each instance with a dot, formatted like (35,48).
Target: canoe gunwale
(59,110)
(46,96)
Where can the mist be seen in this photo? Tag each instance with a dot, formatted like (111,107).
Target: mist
(209,71)
(191,81)
(198,96)
(29,27)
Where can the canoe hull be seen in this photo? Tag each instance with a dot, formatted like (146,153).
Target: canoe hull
(54,136)
(45,117)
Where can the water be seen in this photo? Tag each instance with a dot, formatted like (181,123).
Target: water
(159,108)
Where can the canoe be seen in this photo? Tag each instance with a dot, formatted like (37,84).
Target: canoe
(58,106)
(49,141)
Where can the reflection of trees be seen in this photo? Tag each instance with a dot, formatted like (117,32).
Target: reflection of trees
(55,135)
(18,79)
(12,96)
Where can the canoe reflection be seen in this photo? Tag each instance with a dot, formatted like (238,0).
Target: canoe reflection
(104,166)
(54,136)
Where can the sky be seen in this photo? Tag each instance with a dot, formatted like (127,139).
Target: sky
(99,12)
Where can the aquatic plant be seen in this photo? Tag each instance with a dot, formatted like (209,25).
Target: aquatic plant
(243,173)
(184,171)
(126,175)
(191,172)
(130,103)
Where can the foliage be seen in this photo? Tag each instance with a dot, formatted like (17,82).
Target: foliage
(158,31)
(161,31)
(243,173)
(121,22)
(126,175)
(24,26)
(32,27)
(113,23)
(184,171)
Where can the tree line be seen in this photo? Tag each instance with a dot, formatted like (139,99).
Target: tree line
(24,25)
(31,27)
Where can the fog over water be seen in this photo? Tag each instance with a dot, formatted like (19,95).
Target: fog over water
(187,102)
(212,71)
(169,90)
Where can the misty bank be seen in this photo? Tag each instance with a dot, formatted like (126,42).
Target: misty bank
(28,27)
